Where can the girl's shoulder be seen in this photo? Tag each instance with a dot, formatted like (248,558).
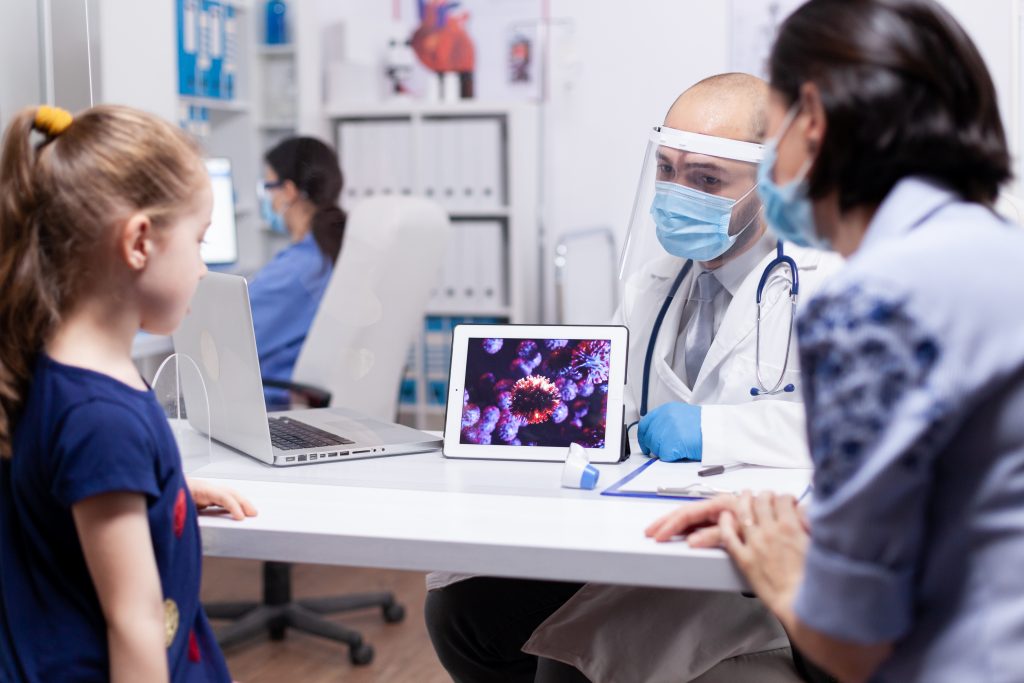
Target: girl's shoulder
(93,434)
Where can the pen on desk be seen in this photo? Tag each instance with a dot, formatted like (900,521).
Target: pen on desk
(718,469)
(690,491)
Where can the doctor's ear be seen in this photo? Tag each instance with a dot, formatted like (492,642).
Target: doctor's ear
(135,241)
(812,122)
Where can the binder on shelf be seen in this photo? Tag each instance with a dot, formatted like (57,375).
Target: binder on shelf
(490,176)
(430,163)
(203,61)
(188,46)
(230,69)
(347,136)
(215,48)
(490,252)
(407,389)
(402,144)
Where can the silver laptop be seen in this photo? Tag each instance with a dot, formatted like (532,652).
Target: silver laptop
(218,335)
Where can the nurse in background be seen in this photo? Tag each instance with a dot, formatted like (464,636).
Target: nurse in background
(299,197)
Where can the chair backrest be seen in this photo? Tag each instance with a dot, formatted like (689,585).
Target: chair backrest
(373,307)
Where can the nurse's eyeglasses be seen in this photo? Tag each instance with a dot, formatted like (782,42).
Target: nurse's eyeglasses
(264,186)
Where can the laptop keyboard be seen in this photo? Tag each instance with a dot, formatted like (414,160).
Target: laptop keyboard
(291,435)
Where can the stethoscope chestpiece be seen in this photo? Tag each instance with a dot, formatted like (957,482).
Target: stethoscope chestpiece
(789,389)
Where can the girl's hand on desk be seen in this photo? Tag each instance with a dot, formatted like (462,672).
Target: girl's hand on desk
(206,495)
(699,520)
(767,538)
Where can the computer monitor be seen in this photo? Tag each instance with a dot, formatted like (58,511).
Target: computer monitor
(220,248)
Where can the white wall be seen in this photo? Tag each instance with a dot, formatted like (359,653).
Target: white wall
(629,61)
(21,79)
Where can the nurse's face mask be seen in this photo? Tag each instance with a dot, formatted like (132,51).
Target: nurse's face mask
(273,219)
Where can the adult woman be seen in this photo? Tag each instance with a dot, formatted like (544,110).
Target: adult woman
(300,190)
(888,148)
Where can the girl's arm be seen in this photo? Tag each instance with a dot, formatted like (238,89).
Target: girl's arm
(114,532)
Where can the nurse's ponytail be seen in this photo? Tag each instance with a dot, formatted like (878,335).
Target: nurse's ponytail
(313,166)
(65,183)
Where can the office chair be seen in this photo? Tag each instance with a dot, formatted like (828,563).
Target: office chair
(353,357)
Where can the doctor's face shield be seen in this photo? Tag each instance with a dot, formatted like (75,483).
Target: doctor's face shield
(696,198)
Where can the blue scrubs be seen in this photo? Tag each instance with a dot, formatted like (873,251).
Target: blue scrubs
(83,434)
(284,296)
(913,365)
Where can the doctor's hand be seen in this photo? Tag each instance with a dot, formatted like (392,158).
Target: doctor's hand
(671,432)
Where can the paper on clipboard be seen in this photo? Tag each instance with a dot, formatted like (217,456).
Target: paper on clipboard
(682,476)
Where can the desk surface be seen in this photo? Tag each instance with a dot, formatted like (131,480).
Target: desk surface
(425,512)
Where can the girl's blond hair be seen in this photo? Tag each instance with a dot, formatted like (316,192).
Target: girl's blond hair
(60,198)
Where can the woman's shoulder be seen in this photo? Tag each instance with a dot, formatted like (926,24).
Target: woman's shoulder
(294,263)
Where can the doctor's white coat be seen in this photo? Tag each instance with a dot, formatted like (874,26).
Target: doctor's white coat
(735,425)
(620,634)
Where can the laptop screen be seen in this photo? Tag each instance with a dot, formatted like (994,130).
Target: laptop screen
(220,247)
(536,392)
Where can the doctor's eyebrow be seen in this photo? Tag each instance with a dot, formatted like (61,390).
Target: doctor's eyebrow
(664,158)
(706,166)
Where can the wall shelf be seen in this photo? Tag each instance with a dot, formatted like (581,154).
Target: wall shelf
(285,50)
(215,105)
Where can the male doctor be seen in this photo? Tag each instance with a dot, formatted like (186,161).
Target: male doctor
(715,386)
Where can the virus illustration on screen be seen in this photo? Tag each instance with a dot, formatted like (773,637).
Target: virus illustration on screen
(591,360)
(534,399)
(492,346)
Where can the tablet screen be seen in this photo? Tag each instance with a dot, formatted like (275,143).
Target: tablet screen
(536,392)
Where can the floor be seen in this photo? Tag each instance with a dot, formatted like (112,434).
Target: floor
(403,651)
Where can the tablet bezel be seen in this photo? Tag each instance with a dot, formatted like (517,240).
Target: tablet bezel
(612,452)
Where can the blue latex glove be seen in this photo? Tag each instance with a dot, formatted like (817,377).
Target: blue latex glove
(672,432)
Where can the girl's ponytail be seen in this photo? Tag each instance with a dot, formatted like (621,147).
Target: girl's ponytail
(28,297)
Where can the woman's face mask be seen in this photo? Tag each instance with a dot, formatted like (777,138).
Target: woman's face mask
(692,224)
(787,208)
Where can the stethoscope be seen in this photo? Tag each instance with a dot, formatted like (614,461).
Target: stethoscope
(781,259)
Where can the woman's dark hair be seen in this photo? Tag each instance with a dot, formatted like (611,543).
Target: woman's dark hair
(905,92)
(314,168)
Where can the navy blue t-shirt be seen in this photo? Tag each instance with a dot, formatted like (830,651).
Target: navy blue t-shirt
(82,434)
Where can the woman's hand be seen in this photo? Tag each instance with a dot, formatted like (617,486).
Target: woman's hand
(698,520)
(767,538)
(207,495)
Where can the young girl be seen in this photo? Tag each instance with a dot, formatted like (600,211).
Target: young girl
(101,218)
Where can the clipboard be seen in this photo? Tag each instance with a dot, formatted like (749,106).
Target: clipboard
(793,481)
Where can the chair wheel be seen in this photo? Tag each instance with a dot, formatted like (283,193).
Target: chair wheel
(393,613)
(361,655)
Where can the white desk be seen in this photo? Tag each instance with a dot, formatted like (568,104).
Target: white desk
(424,512)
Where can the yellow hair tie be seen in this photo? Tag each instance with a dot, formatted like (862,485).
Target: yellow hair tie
(52,120)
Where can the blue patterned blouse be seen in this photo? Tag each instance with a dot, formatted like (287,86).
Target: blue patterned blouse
(913,366)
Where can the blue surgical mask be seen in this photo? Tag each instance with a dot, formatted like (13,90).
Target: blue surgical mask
(271,217)
(787,208)
(692,224)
